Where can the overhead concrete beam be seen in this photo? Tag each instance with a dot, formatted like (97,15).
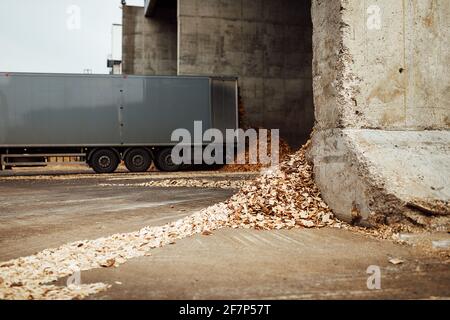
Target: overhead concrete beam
(150,6)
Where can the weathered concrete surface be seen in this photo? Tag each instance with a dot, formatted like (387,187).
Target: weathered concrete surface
(150,45)
(366,172)
(382,66)
(267,44)
(295,264)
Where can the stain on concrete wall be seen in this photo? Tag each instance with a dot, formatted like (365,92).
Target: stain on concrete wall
(150,45)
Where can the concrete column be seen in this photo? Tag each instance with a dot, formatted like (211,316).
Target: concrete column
(381,83)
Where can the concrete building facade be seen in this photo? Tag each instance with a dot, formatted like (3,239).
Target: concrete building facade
(267,44)
(150,44)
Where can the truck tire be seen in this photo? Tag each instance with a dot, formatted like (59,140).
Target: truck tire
(104,161)
(138,160)
(163,161)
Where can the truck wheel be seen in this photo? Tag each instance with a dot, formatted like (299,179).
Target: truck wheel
(105,161)
(138,160)
(163,161)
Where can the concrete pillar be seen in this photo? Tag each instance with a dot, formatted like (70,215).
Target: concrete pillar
(387,62)
(381,70)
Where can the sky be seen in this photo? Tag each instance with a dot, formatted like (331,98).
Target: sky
(57,36)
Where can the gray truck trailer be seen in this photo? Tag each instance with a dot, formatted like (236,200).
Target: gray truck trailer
(102,120)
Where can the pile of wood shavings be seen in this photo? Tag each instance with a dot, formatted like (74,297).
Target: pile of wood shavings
(284,197)
(283,152)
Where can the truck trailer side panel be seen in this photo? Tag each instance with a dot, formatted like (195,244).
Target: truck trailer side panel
(154,107)
(57,110)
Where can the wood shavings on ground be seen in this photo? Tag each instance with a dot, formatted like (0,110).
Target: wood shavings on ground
(118,176)
(30,277)
(183,183)
(284,197)
(50,292)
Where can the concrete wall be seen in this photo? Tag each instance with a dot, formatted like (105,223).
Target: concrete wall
(381,82)
(382,64)
(150,45)
(267,44)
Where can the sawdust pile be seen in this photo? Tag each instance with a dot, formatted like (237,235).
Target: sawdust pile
(183,183)
(284,152)
(284,197)
(284,149)
(280,198)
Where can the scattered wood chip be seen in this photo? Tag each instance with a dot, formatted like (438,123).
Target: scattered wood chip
(396,261)
(16,284)
(109,263)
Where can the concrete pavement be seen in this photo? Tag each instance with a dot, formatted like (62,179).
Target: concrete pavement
(295,264)
(43,211)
